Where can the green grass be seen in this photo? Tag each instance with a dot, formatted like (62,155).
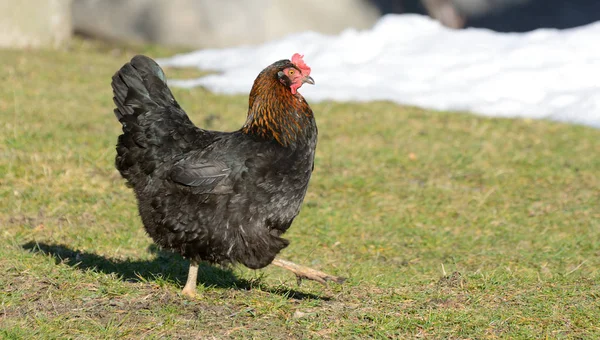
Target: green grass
(446,224)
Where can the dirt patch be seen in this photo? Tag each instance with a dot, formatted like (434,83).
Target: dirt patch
(454,280)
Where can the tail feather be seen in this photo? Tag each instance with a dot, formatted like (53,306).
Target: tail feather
(154,125)
(140,86)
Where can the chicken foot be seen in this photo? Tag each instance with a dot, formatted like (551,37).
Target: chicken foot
(303,272)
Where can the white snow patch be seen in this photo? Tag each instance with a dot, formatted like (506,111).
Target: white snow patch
(411,59)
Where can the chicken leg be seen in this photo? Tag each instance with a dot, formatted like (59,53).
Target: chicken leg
(303,272)
(190,285)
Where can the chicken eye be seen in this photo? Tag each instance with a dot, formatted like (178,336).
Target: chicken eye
(291,72)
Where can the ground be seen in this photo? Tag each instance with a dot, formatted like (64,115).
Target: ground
(447,225)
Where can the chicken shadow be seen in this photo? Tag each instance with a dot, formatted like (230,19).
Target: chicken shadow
(166,266)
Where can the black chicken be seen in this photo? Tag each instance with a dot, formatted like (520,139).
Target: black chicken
(220,197)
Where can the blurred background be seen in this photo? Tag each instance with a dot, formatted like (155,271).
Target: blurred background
(227,23)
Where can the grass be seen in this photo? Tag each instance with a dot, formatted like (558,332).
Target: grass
(447,225)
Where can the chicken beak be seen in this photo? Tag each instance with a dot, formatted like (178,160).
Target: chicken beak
(308,80)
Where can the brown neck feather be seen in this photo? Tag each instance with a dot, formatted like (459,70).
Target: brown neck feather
(274,113)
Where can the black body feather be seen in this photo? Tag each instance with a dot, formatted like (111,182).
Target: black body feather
(222,197)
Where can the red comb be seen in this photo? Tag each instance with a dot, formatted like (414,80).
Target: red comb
(300,64)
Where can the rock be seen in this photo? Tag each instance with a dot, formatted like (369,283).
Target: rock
(216,24)
(445,11)
(35,23)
